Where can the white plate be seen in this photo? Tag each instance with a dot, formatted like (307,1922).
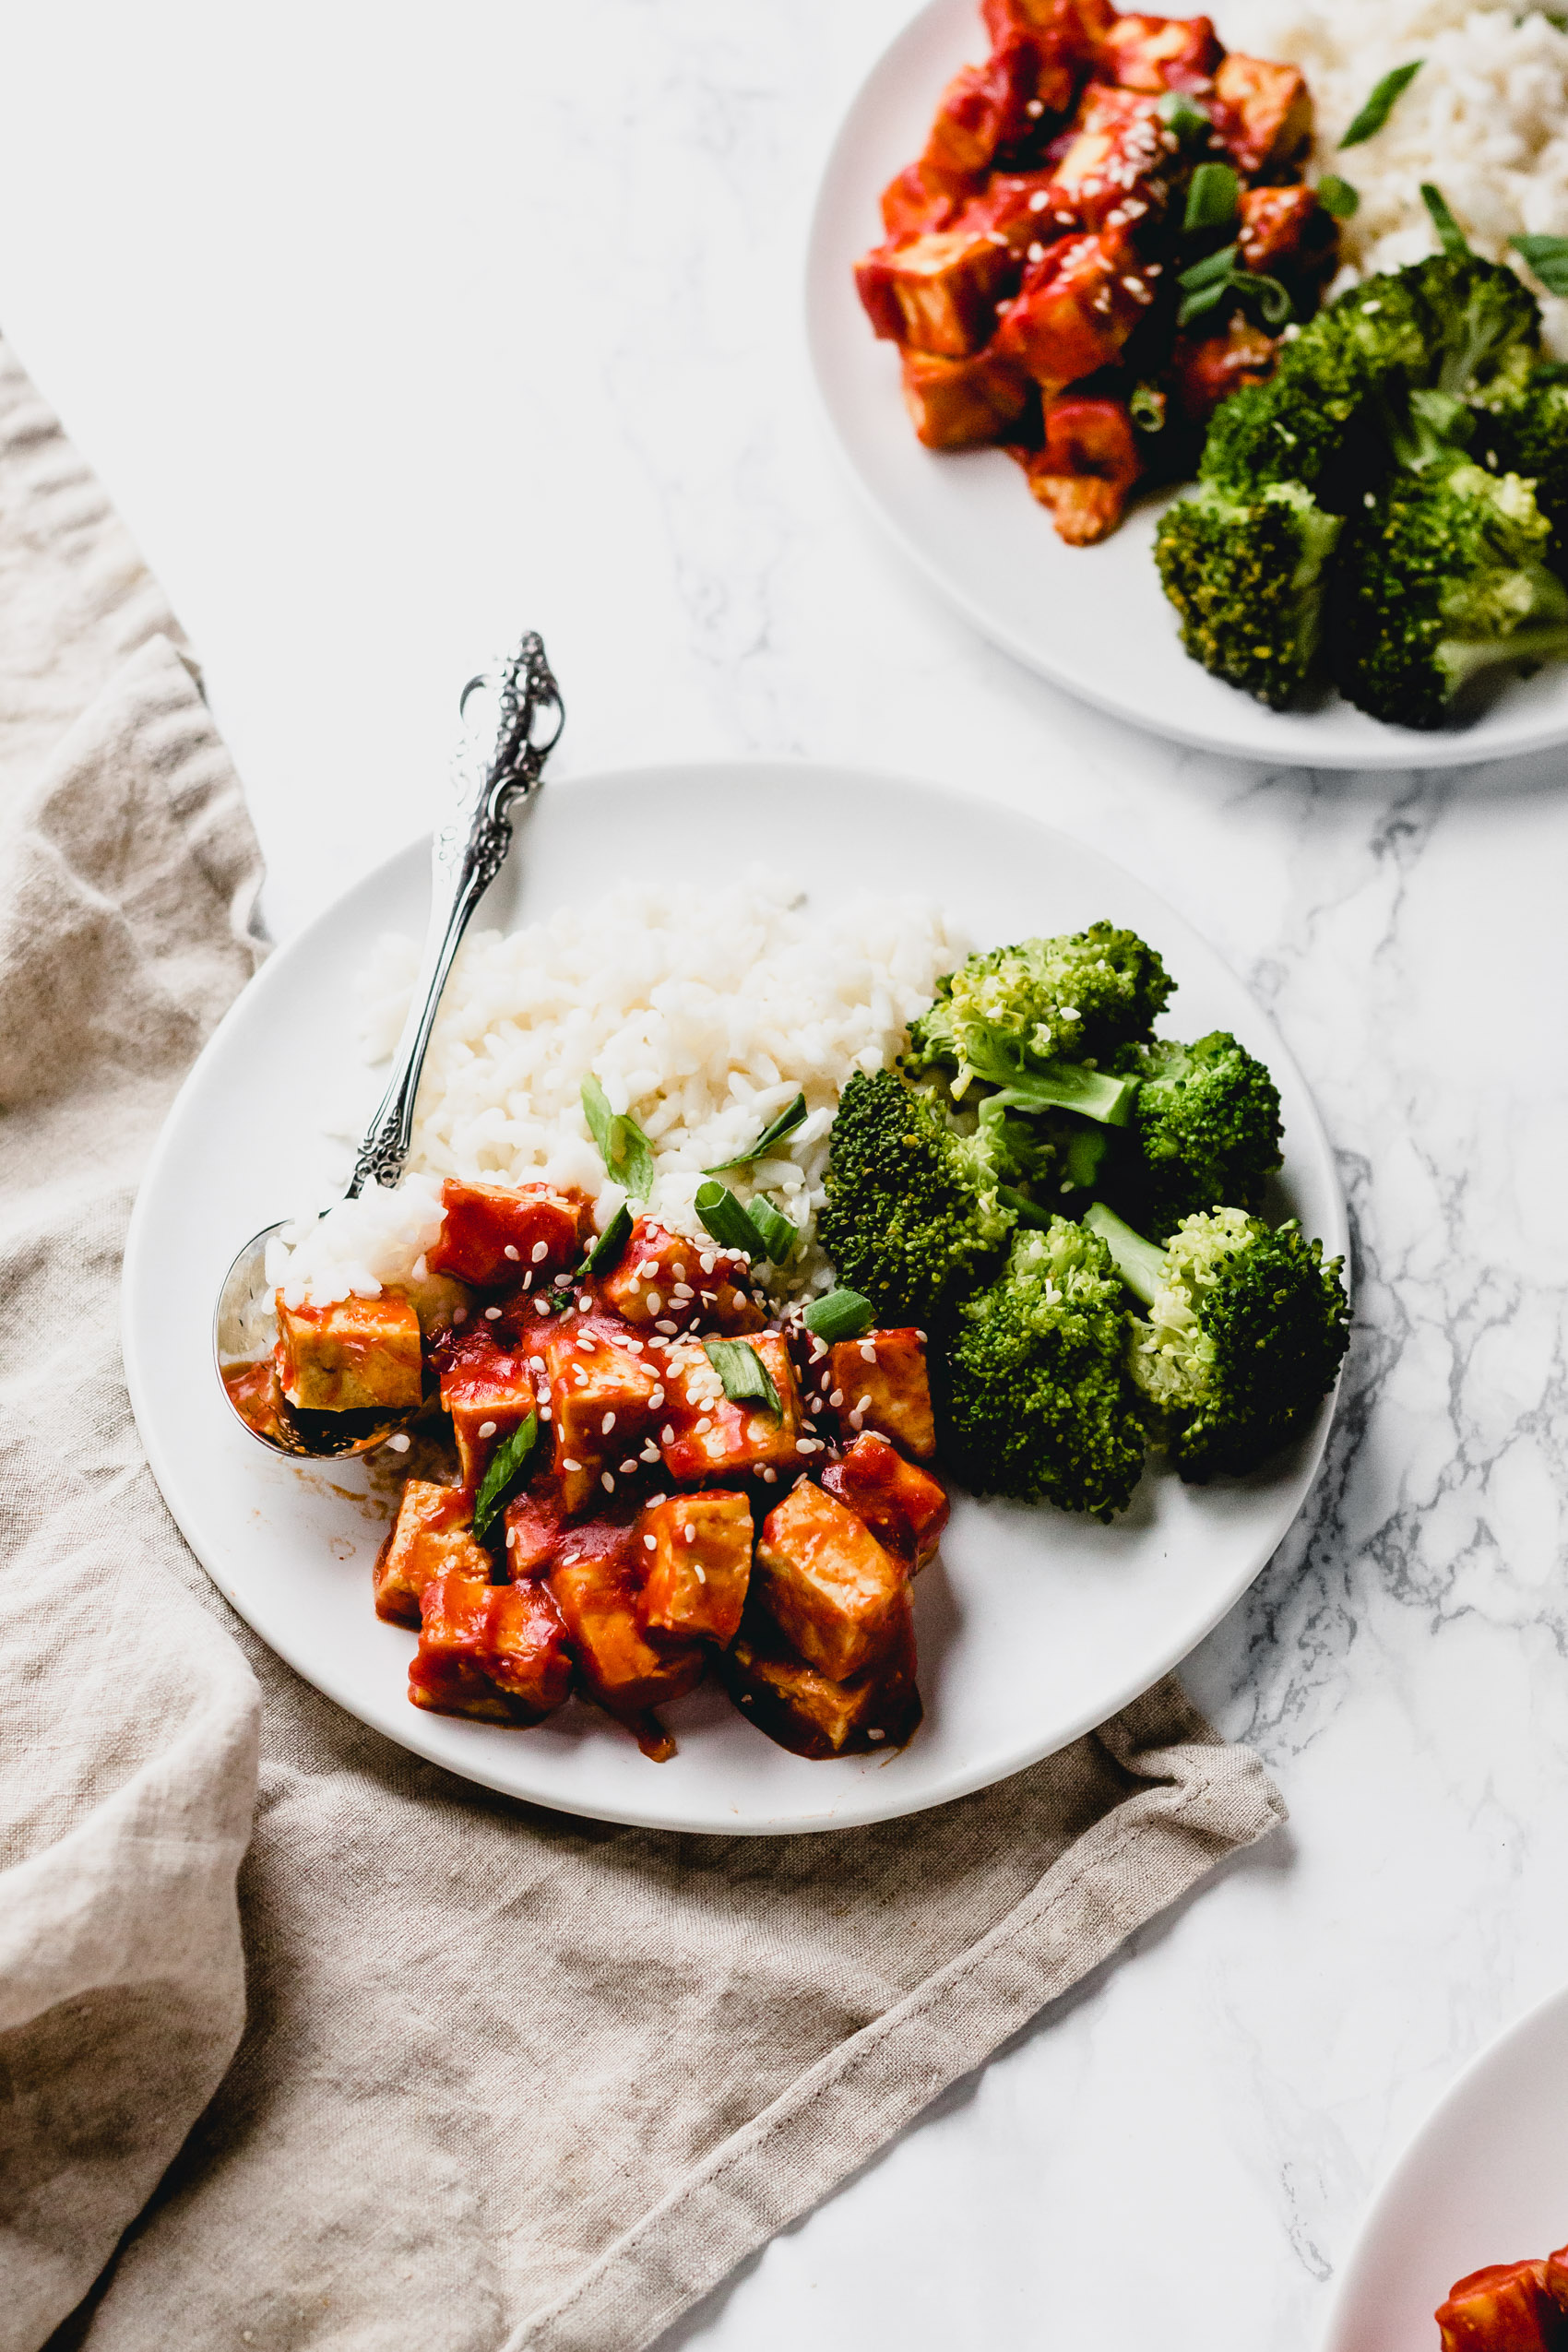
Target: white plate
(1094,619)
(1033,1627)
(1484,2180)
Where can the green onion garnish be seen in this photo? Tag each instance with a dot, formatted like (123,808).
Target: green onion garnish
(1548,256)
(1183,115)
(728,1221)
(1213,270)
(1337,196)
(842,1315)
(1450,236)
(1211,199)
(785,1124)
(745,1376)
(611,1245)
(778,1236)
(624,1149)
(508,1466)
(1380,105)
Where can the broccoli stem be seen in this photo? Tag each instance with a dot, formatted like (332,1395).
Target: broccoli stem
(1065,1086)
(1461,658)
(1023,1208)
(1140,1264)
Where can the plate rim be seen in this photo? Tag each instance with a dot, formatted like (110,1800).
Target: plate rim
(858,1808)
(1396,750)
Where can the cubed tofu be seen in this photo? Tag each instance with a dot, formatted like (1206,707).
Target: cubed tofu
(1115,174)
(1016,211)
(923,196)
(884,1385)
(1159,53)
(254,1392)
(804,1711)
(959,404)
(1079,25)
(1206,369)
(904,1508)
(697,1564)
(1086,469)
(1264,114)
(489,1390)
(1076,310)
(534,1522)
(447,1674)
(507,1236)
(938,293)
(596,1584)
(665,1283)
(353,1356)
(1287,229)
(524,1649)
(1016,96)
(827,1583)
(430,1535)
(600,1397)
(702,1435)
(1505,2307)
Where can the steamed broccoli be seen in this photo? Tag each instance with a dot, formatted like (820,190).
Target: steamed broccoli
(1478,315)
(1245,1331)
(1074,998)
(1521,428)
(1037,1400)
(1444,579)
(912,1219)
(1205,1129)
(1245,572)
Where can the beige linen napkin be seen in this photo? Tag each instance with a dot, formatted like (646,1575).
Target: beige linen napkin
(485,2078)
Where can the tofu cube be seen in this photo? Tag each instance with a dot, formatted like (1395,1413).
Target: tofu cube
(1016,211)
(1265,112)
(1506,2307)
(665,1282)
(922,196)
(353,1356)
(447,1674)
(1287,229)
(600,1396)
(904,1508)
(430,1536)
(524,1650)
(703,1435)
(1207,369)
(959,404)
(938,293)
(1087,469)
(489,1390)
(1076,312)
(1115,174)
(534,1522)
(1006,100)
(805,1712)
(884,1386)
(697,1564)
(507,1236)
(1159,53)
(254,1392)
(827,1584)
(1078,25)
(596,1586)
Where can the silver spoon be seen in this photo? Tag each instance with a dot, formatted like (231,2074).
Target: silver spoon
(491,773)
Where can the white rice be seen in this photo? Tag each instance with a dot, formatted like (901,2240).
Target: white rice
(702,1018)
(1485,120)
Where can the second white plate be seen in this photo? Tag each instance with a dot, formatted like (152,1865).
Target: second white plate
(1095,620)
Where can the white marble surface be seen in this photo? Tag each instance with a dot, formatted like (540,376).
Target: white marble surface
(392,329)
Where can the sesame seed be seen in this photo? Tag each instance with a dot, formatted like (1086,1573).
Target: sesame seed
(702,1572)
(667,1434)
(708,1260)
(709,1297)
(700,1429)
(679,1272)
(868,1352)
(683,1290)
(837,1399)
(659,1497)
(656,1400)
(650,1543)
(921,1337)
(607,1424)
(401,1444)
(771,1477)
(634,1346)
(668,1329)
(629,1464)
(876,1735)
(819,1349)
(1036,253)
(584,1348)
(511,1537)
(805,1445)
(1034,107)
(487,1429)
(650,1451)
(567,1463)
(607,1482)
(545,1414)
(1039,200)
(562,1282)
(459,1314)
(1001,306)
(688,1532)
(542,1306)
(527,1281)
(511,1252)
(654,1302)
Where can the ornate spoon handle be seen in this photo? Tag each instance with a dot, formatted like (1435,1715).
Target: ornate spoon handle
(467,853)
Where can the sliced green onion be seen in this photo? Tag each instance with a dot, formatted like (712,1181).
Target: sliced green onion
(1211,199)
(1183,115)
(1337,196)
(508,1466)
(728,1220)
(842,1315)
(1450,236)
(785,1124)
(744,1374)
(624,1149)
(778,1236)
(1267,292)
(1380,105)
(611,1245)
(1548,256)
(1023,1208)
(1214,269)
(1146,403)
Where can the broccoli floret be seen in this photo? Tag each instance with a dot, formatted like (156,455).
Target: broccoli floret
(1523,429)
(1036,1400)
(1245,1331)
(1074,998)
(1205,1129)
(1245,573)
(1444,579)
(1478,316)
(912,1219)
